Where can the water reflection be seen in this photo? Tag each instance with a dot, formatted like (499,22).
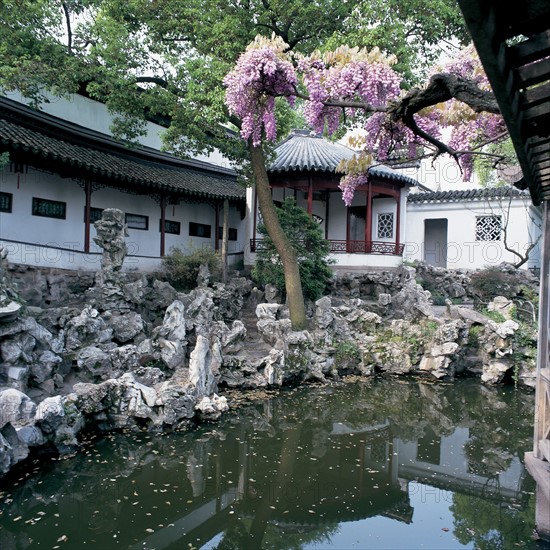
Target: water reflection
(308,469)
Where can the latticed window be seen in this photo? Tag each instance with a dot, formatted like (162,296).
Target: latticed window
(488,228)
(385,226)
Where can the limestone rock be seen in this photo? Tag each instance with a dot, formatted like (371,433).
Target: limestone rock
(49,414)
(126,326)
(16,408)
(43,369)
(493,372)
(267,311)
(204,365)
(212,407)
(96,361)
(9,312)
(272,293)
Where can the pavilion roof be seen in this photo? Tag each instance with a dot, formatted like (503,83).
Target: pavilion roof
(303,150)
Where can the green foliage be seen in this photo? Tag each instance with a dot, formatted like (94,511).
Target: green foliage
(311,247)
(438,299)
(473,335)
(493,281)
(4,160)
(345,352)
(493,315)
(412,30)
(168,58)
(181,270)
(484,167)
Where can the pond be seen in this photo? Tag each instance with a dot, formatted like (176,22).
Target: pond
(382,463)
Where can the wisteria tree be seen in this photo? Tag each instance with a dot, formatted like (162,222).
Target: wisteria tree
(350,87)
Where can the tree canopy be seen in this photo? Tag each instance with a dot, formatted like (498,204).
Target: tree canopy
(167,58)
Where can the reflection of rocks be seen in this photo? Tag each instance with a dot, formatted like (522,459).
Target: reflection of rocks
(144,356)
(363,436)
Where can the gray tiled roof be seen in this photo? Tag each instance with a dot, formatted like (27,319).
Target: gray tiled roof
(86,161)
(467,194)
(305,150)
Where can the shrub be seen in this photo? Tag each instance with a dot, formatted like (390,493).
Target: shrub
(181,270)
(495,281)
(311,247)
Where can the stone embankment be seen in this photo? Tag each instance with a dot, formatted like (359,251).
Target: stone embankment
(138,355)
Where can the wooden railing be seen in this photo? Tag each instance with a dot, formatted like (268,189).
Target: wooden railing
(348,247)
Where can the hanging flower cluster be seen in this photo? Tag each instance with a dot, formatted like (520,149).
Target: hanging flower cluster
(349,183)
(346,75)
(469,128)
(353,82)
(262,73)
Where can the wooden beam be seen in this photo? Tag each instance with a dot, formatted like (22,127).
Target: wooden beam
(529,50)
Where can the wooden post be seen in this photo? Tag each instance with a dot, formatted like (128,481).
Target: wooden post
(368,220)
(348,229)
(217,226)
(225,239)
(310,197)
(398,224)
(327,210)
(162,225)
(87,208)
(542,402)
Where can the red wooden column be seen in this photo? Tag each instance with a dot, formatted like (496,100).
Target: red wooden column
(310,197)
(398,223)
(368,220)
(348,229)
(162,225)
(87,207)
(327,210)
(217,226)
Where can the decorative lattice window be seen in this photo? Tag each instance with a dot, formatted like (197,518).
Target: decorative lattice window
(49,209)
(488,228)
(385,226)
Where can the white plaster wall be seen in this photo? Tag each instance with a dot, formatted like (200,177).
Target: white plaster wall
(21,225)
(359,261)
(338,218)
(463,251)
(44,235)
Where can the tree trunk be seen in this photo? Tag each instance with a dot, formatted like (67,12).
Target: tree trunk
(284,248)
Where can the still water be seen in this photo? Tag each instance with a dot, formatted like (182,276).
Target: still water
(360,464)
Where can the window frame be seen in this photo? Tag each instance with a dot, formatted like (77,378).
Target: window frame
(36,209)
(378,219)
(9,198)
(194,230)
(142,216)
(166,225)
(478,229)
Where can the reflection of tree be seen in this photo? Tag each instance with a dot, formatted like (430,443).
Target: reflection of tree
(281,448)
(275,537)
(492,525)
